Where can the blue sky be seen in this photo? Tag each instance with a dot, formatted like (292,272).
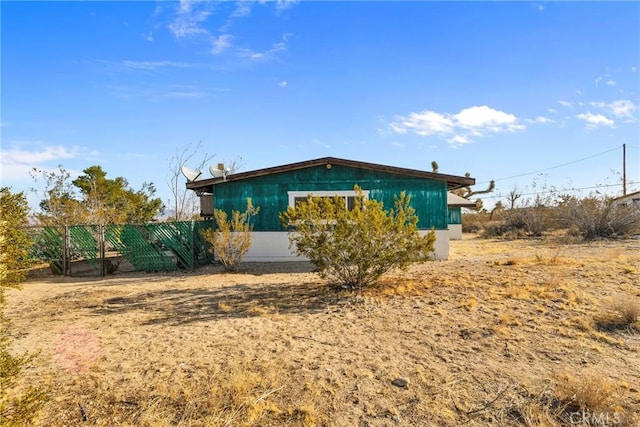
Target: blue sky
(500,89)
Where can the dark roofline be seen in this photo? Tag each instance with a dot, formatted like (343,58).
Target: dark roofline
(453,181)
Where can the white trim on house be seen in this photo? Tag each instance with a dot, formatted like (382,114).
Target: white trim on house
(293,195)
(274,246)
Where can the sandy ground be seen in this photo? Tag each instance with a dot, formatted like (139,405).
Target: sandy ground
(485,338)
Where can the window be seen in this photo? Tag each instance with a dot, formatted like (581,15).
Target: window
(349,196)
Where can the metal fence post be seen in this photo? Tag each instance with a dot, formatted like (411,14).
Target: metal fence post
(101,250)
(66,263)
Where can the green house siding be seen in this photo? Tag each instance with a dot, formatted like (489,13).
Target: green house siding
(455,215)
(270,192)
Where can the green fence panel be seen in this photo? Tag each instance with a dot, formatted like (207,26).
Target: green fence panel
(203,251)
(175,237)
(138,247)
(148,247)
(49,246)
(83,241)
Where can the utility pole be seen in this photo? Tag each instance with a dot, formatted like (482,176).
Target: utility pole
(624,169)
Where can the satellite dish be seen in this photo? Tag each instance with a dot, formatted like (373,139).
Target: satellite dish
(190,174)
(215,172)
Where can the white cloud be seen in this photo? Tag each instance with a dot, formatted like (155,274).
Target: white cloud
(191,14)
(469,122)
(152,65)
(634,69)
(184,94)
(564,103)
(622,108)
(398,144)
(220,44)
(485,118)
(17,162)
(283,84)
(424,124)
(595,120)
(267,54)
(610,82)
(243,8)
(458,140)
(542,119)
(285,4)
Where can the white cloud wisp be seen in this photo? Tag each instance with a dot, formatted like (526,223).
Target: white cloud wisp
(470,122)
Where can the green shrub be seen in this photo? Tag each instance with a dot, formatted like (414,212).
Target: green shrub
(355,247)
(16,407)
(232,237)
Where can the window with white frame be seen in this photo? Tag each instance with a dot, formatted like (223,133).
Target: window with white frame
(349,196)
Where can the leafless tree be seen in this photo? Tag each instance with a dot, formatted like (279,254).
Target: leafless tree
(184,203)
(513,196)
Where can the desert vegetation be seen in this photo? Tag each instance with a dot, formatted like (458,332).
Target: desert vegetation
(574,218)
(355,247)
(506,332)
(230,239)
(19,403)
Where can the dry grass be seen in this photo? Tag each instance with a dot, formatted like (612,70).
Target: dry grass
(504,334)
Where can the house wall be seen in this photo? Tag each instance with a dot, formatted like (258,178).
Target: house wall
(455,223)
(455,231)
(272,246)
(269,193)
(455,215)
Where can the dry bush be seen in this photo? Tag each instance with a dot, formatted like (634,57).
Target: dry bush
(628,309)
(233,394)
(621,313)
(589,392)
(599,218)
(231,239)
(474,222)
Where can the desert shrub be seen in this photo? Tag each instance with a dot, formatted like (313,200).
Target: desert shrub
(231,238)
(621,313)
(589,393)
(17,407)
(474,222)
(597,217)
(356,247)
(14,240)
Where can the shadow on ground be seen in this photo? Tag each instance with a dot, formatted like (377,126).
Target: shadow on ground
(89,274)
(182,306)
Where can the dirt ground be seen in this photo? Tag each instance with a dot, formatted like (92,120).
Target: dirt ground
(503,333)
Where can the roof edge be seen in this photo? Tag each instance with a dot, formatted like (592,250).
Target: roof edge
(453,181)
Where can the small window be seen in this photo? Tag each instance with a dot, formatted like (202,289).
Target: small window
(349,196)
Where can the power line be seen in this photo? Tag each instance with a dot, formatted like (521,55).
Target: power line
(554,167)
(568,190)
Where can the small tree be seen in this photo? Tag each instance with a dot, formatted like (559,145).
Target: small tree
(92,198)
(356,247)
(232,237)
(16,408)
(183,202)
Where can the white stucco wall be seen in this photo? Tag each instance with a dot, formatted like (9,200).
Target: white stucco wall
(272,246)
(455,231)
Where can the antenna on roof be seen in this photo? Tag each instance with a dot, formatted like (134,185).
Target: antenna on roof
(219,171)
(216,172)
(190,174)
